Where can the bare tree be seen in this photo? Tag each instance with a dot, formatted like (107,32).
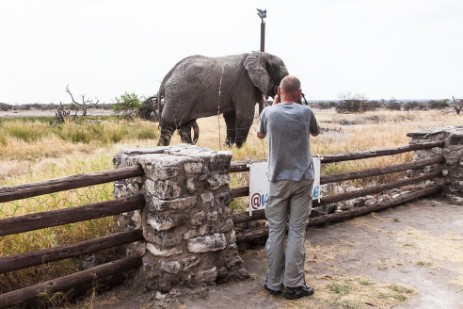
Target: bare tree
(83,106)
(457,105)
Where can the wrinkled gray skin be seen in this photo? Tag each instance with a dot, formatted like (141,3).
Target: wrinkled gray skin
(201,86)
(185,132)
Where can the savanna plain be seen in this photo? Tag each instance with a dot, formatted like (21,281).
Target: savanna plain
(35,149)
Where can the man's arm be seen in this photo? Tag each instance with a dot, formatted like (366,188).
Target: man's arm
(314,127)
(261,125)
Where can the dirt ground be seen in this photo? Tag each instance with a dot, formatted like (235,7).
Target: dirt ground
(406,257)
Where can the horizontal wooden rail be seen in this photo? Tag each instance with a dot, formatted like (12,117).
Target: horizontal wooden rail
(239,192)
(8,194)
(242,166)
(381,171)
(244,191)
(358,211)
(20,261)
(330,199)
(377,189)
(363,210)
(64,283)
(70,215)
(379,153)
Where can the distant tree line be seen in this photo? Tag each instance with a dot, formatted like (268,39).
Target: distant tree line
(358,104)
(47,106)
(131,105)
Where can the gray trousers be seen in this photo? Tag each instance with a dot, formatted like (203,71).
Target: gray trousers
(288,201)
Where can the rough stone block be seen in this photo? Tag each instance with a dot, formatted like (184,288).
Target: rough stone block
(193,167)
(216,181)
(171,267)
(162,239)
(212,216)
(190,234)
(223,198)
(207,243)
(202,230)
(162,189)
(136,248)
(206,276)
(161,222)
(231,250)
(157,251)
(207,199)
(190,185)
(233,261)
(230,237)
(190,262)
(456,137)
(180,204)
(130,220)
(198,218)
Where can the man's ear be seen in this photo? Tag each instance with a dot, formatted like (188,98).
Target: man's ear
(279,91)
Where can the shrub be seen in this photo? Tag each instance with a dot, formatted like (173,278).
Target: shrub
(5,107)
(393,106)
(438,104)
(352,104)
(127,105)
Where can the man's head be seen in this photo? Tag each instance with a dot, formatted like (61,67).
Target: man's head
(290,89)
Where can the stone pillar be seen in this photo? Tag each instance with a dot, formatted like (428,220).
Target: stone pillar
(187,224)
(452,152)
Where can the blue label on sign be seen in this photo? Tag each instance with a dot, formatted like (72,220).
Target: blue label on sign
(316,192)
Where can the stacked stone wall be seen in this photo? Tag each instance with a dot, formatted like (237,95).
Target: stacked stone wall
(187,224)
(452,152)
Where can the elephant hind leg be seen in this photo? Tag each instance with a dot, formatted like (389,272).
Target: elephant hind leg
(185,132)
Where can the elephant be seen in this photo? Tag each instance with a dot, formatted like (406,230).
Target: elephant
(185,132)
(200,86)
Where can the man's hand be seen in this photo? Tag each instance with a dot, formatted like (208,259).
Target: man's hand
(276,100)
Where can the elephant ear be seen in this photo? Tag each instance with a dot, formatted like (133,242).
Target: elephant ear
(255,64)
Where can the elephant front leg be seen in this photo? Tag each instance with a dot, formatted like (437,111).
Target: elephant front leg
(230,121)
(242,129)
(166,134)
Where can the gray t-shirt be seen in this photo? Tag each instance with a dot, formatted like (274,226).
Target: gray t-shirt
(288,128)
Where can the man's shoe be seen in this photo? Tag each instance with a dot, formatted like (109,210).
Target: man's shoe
(273,292)
(298,292)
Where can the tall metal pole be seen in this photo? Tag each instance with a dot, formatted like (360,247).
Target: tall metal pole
(262,14)
(262,36)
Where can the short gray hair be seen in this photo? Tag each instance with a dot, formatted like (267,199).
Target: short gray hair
(290,84)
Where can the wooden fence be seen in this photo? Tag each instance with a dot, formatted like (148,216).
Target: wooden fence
(42,220)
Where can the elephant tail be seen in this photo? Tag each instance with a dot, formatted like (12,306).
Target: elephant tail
(159,97)
(195,127)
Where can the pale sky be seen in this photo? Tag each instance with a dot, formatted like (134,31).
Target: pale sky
(381,49)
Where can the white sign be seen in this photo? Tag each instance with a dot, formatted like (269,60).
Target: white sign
(259,184)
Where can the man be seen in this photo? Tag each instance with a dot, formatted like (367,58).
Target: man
(288,126)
